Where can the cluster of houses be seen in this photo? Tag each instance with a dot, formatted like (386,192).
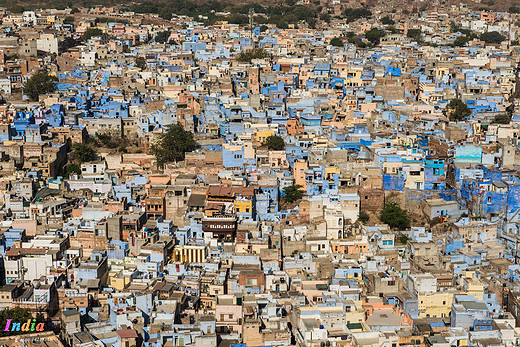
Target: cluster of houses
(212,250)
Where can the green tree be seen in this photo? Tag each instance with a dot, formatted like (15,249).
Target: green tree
(502,119)
(173,144)
(40,83)
(68,20)
(492,37)
(256,53)
(92,32)
(387,21)
(374,35)
(392,29)
(352,14)
(275,142)
(414,34)
(162,36)
(363,217)
(67,43)
(238,19)
(292,193)
(140,62)
(165,13)
(336,41)
(83,152)
(461,41)
(325,17)
(454,27)
(17,9)
(111,139)
(393,215)
(457,110)
(403,239)
(72,169)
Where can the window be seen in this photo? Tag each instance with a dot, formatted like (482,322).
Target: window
(251,281)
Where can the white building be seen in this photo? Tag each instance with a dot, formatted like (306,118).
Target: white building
(29,17)
(47,43)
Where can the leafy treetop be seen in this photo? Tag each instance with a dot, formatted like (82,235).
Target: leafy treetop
(393,215)
(275,142)
(173,144)
(292,193)
(336,41)
(40,83)
(457,110)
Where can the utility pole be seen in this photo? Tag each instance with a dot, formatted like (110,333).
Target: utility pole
(251,14)
(509,31)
